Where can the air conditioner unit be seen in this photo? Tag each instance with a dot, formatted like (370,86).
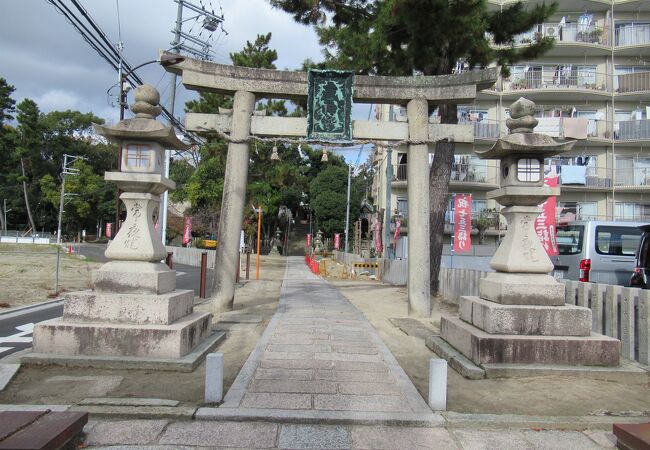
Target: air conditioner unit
(552,31)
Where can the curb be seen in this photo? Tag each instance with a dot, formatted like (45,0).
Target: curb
(19,311)
(450,420)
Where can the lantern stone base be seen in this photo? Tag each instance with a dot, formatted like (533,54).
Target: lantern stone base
(494,318)
(522,289)
(485,348)
(162,309)
(60,337)
(134,277)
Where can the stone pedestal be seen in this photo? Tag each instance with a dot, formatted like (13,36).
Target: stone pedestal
(134,314)
(520,317)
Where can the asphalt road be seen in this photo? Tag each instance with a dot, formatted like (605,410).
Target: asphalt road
(16,328)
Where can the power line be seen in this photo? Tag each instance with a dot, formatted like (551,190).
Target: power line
(98,40)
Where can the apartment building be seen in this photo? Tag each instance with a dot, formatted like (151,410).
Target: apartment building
(594,86)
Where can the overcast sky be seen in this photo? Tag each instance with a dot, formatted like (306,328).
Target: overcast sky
(46,60)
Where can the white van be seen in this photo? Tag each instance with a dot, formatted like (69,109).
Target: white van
(596,251)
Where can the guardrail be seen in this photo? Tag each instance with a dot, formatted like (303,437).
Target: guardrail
(191,256)
(632,34)
(568,76)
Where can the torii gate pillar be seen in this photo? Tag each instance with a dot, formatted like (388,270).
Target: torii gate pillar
(419,288)
(232,207)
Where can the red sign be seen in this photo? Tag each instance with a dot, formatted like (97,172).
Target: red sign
(545,222)
(109,230)
(378,237)
(462,223)
(398,226)
(308,240)
(187,230)
(337,241)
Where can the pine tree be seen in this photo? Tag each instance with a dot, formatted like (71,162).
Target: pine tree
(405,37)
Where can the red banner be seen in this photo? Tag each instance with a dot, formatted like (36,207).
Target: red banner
(187,230)
(462,223)
(308,240)
(398,226)
(545,222)
(378,246)
(109,230)
(337,241)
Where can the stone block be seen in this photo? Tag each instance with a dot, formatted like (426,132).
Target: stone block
(495,318)
(521,289)
(551,440)
(295,364)
(134,277)
(293,386)
(220,434)
(214,378)
(354,375)
(366,388)
(487,439)
(127,432)
(368,438)
(269,400)
(375,403)
(283,374)
(161,309)
(485,348)
(314,437)
(57,336)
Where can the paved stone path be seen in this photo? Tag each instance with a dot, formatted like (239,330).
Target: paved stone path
(318,361)
(165,435)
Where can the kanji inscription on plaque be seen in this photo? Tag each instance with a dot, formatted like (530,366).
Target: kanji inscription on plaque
(329,105)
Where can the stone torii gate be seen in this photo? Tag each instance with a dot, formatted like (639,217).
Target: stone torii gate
(246,85)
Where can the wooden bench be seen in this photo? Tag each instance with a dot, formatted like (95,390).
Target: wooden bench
(632,436)
(39,429)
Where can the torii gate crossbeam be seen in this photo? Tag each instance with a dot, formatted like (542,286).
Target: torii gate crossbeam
(247,84)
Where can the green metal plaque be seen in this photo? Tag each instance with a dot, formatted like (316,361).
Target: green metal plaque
(329,105)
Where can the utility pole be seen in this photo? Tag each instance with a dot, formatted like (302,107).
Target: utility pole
(66,171)
(389,180)
(211,22)
(347,209)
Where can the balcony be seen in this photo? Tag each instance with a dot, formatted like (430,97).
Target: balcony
(634,85)
(632,178)
(469,174)
(593,178)
(632,130)
(560,83)
(571,33)
(485,128)
(631,35)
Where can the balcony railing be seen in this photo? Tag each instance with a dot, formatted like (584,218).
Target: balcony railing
(460,172)
(633,82)
(632,177)
(632,130)
(555,77)
(571,33)
(485,128)
(632,34)
(584,176)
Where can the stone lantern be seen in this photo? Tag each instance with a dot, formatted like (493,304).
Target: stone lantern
(520,317)
(134,310)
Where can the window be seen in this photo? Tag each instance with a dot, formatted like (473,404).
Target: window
(617,240)
(632,211)
(138,155)
(569,239)
(403,207)
(528,170)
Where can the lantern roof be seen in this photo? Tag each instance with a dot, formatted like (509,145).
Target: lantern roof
(144,126)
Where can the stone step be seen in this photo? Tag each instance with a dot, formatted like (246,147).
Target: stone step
(485,348)
(495,318)
(58,336)
(164,309)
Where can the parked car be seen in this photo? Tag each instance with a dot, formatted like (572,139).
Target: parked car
(641,276)
(597,251)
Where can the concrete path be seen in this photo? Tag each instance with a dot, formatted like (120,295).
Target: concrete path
(320,361)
